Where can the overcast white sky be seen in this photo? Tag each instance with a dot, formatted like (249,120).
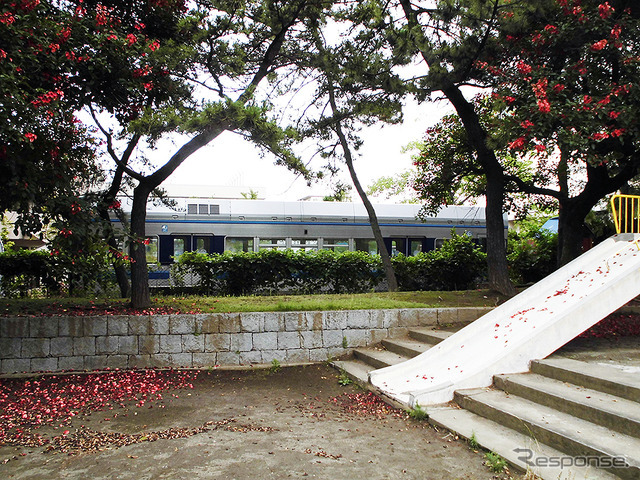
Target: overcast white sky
(232,161)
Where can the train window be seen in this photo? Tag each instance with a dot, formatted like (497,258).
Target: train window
(203,209)
(151,249)
(201,244)
(395,248)
(415,247)
(366,245)
(237,244)
(304,244)
(439,242)
(192,209)
(272,244)
(337,245)
(178,247)
(214,209)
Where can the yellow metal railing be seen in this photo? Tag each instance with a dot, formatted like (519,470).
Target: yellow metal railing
(626,213)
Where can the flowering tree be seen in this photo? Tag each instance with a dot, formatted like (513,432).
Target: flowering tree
(447,37)
(114,59)
(568,84)
(46,154)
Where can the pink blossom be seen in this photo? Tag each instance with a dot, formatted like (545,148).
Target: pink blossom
(596,47)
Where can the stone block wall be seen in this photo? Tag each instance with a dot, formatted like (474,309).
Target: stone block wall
(33,344)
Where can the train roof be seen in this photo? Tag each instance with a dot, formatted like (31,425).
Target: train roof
(348,210)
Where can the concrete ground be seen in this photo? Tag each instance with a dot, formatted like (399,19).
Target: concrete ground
(296,423)
(619,352)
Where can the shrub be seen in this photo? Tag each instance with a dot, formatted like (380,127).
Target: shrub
(24,272)
(531,254)
(457,265)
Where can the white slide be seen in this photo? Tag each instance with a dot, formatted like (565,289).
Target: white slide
(530,326)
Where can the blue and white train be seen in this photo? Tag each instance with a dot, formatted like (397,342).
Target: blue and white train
(215,226)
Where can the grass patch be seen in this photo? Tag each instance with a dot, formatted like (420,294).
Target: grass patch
(418,413)
(195,304)
(495,462)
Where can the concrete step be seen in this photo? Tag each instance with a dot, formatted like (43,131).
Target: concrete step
(520,450)
(573,436)
(596,376)
(407,347)
(356,370)
(604,409)
(429,335)
(378,358)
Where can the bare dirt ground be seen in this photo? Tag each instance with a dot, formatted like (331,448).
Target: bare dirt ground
(294,423)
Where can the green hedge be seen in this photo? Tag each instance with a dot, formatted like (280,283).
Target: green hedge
(456,266)
(27,272)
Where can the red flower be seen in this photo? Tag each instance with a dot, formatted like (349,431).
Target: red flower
(558,87)
(605,10)
(616,31)
(600,136)
(526,124)
(153,46)
(524,68)
(544,106)
(618,132)
(552,29)
(614,115)
(7,18)
(596,47)
(131,39)
(518,144)
(31,137)
(540,148)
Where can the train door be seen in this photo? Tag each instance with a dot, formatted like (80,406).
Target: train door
(396,246)
(207,244)
(172,246)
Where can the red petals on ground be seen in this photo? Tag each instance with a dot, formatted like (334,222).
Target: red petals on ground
(365,404)
(614,326)
(26,405)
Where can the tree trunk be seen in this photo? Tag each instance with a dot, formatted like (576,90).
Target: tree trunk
(496,244)
(389,272)
(570,234)
(119,269)
(140,296)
